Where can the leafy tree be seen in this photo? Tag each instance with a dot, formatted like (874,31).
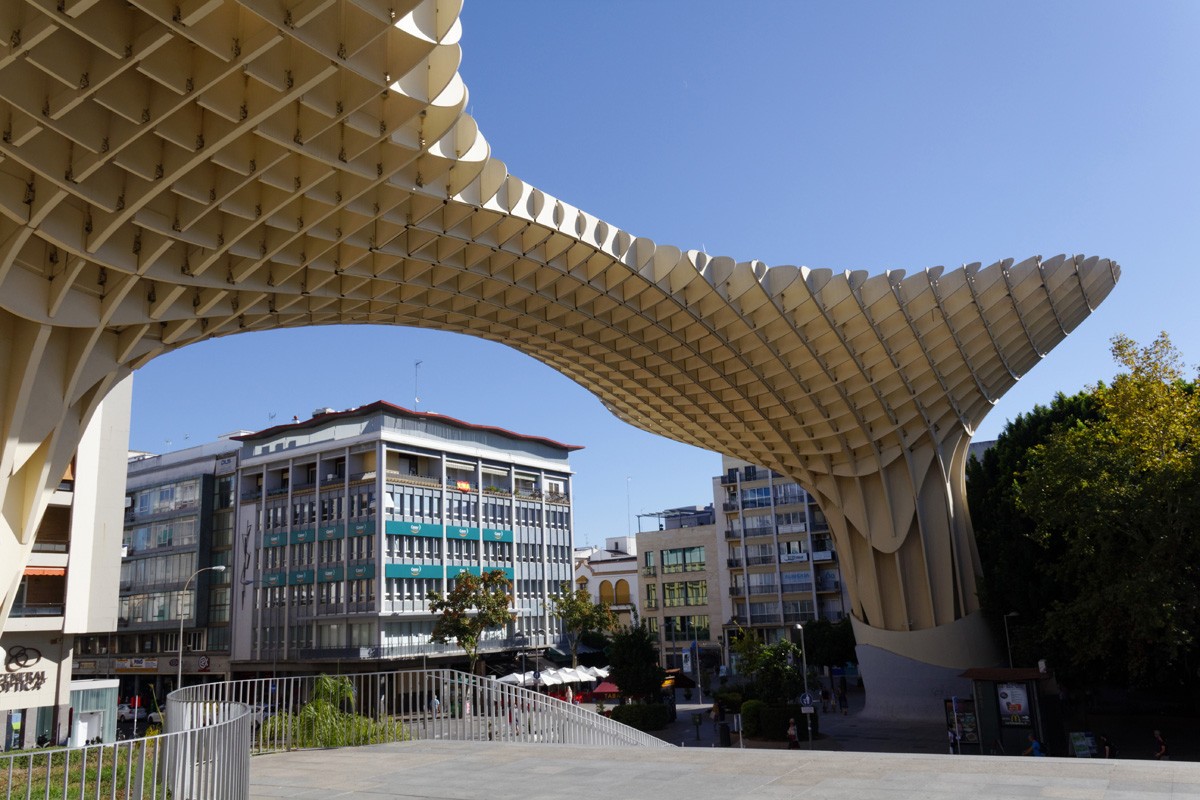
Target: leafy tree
(774,669)
(473,605)
(580,615)
(830,644)
(1013,558)
(633,662)
(1120,491)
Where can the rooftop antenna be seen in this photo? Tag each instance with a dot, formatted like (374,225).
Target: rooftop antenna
(416,384)
(628,514)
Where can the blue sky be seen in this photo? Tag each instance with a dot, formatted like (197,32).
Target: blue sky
(847,135)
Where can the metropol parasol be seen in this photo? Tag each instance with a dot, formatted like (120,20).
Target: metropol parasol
(176,171)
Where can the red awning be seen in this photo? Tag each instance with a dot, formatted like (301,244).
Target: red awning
(53,571)
(606,687)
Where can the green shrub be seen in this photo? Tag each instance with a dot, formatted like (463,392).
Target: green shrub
(643,716)
(731,701)
(752,717)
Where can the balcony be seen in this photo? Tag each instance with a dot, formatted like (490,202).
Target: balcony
(765,588)
(650,572)
(764,619)
(413,480)
(38,609)
(736,591)
(650,603)
(767,531)
(731,533)
(758,561)
(733,563)
(793,588)
(729,506)
(829,586)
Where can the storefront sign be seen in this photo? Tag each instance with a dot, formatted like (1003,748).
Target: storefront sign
(29,677)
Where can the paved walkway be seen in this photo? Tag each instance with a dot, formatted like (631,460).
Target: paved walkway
(498,771)
(850,732)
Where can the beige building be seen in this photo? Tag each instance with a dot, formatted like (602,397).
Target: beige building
(67,588)
(683,598)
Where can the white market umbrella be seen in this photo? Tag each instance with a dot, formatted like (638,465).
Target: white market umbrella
(549,677)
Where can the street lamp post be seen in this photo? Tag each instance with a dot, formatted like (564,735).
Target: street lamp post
(804,666)
(525,652)
(179,670)
(1007,643)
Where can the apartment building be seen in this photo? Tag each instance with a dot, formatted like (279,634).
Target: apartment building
(783,568)
(179,521)
(68,587)
(346,521)
(681,578)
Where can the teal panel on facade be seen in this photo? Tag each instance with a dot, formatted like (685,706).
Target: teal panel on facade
(459,532)
(400,528)
(300,576)
(413,571)
(274,579)
(362,528)
(360,571)
(455,569)
(329,574)
(306,535)
(331,532)
(497,535)
(274,539)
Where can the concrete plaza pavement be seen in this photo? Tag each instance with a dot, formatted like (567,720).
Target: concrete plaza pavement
(857,757)
(497,771)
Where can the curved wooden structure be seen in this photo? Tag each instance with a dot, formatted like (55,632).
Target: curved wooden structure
(173,170)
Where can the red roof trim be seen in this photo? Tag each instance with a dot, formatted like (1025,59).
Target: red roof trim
(383,405)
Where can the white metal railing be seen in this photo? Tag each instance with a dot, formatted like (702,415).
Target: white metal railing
(370,708)
(213,728)
(209,760)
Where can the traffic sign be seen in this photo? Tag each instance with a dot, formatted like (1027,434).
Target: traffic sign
(806,699)
(808,710)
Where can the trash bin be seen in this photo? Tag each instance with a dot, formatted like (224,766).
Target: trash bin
(723,733)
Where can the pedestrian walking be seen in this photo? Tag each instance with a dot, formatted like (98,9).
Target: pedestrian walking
(1107,748)
(792,736)
(843,701)
(1036,748)
(1161,753)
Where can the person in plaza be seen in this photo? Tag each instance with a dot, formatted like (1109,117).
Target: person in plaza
(1161,753)
(792,736)
(843,701)
(435,706)
(1107,748)
(1036,748)
(952,736)
(824,700)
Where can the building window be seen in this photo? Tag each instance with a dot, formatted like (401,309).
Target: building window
(606,592)
(622,593)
